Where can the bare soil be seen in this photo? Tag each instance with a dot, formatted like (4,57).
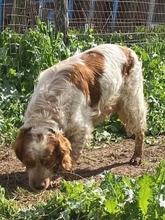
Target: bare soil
(112,157)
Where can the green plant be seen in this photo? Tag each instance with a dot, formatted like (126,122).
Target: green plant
(22,57)
(7,210)
(116,197)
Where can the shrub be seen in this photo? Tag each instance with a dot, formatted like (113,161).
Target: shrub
(22,57)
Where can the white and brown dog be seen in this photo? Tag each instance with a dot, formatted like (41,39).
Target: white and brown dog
(70,98)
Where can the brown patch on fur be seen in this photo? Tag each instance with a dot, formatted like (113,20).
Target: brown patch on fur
(21,142)
(60,147)
(130,62)
(86,76)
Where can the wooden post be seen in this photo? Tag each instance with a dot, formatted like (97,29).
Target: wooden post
(150,12)
(18,16)
(61,17)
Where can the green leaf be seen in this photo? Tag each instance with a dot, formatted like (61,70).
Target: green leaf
(111,206)
(145,193)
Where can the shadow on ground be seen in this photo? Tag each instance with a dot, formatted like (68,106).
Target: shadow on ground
(12,181)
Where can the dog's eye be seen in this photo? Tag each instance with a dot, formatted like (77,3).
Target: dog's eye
(48,163)
(30,164)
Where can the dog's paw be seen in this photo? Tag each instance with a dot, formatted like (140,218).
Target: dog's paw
(135,161)
(55,183)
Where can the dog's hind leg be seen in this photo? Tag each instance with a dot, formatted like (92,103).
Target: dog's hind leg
(132,111)
(138,153)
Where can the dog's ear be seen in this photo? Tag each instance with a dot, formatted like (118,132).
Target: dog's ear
(62,151)
(18,145)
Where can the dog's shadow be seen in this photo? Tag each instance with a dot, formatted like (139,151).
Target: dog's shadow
(84,173)
(12,181)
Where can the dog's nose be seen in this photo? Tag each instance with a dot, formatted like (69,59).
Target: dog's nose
(40,186)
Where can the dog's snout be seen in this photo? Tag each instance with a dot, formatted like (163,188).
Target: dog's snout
(40,186)
(38,183)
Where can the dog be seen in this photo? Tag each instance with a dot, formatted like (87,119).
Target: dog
(70,99)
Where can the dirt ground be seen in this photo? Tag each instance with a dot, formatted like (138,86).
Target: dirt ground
(112,157)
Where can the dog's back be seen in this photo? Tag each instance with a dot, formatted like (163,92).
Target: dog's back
(99,74)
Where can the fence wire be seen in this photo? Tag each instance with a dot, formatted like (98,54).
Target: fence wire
(104,16)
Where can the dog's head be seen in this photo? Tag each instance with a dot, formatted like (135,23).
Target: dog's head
(40,150)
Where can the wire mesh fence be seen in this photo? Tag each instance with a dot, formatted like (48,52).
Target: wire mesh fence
(104,16)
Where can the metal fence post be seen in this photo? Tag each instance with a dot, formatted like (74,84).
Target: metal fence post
(114,13)
(150,12)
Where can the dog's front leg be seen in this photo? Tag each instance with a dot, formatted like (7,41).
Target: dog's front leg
(78,143)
